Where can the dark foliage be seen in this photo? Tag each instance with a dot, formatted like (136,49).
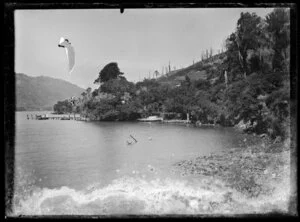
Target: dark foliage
(110,71)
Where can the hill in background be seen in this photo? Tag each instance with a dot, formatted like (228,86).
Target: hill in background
(209,69)
(41,93)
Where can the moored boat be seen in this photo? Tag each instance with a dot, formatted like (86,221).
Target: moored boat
(40,117)
(151,119)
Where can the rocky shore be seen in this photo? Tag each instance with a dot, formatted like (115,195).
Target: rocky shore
(261,172)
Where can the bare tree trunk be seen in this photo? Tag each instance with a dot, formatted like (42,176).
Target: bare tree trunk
(226,78)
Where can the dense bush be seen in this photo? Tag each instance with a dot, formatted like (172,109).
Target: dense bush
(63,107)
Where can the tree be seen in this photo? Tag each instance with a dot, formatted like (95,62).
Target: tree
(63,107)
(210,52)
(88,92)
(95,93)
(202,56)
(246,37)
(117,87)
(187,81)
(233,61)
(279,28)
(243,44)
(201,84)
(110,71)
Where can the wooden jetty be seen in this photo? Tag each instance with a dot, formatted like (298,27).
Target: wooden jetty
(69,118)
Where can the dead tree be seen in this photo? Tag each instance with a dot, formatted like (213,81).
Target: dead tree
(210,52)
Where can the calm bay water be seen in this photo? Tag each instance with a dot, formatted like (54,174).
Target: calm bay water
(61,161)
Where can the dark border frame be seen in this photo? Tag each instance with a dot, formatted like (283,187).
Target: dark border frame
(9,86)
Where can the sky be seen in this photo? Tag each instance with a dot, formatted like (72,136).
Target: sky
(139,40)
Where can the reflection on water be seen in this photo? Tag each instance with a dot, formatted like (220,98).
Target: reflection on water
(88,167)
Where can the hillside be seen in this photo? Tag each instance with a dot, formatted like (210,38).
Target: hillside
(41,93)
(208,69)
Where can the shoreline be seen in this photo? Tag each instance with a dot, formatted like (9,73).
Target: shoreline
(260,173)
(171,121)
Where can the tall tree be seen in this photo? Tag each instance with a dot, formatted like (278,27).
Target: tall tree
(246,37)
(233,61)
(241,44)
(210,52)
(110,71)
(89,92)
(279,27)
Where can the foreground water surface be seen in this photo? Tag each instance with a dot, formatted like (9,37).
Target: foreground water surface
(76,167)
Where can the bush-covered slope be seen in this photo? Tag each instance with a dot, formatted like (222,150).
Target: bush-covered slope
(207,69)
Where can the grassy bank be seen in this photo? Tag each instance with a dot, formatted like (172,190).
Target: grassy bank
(259,175)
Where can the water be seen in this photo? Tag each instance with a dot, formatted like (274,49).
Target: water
(76,167)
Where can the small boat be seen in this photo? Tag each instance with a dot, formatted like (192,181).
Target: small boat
(43,118)
(40,117)
(151,119)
